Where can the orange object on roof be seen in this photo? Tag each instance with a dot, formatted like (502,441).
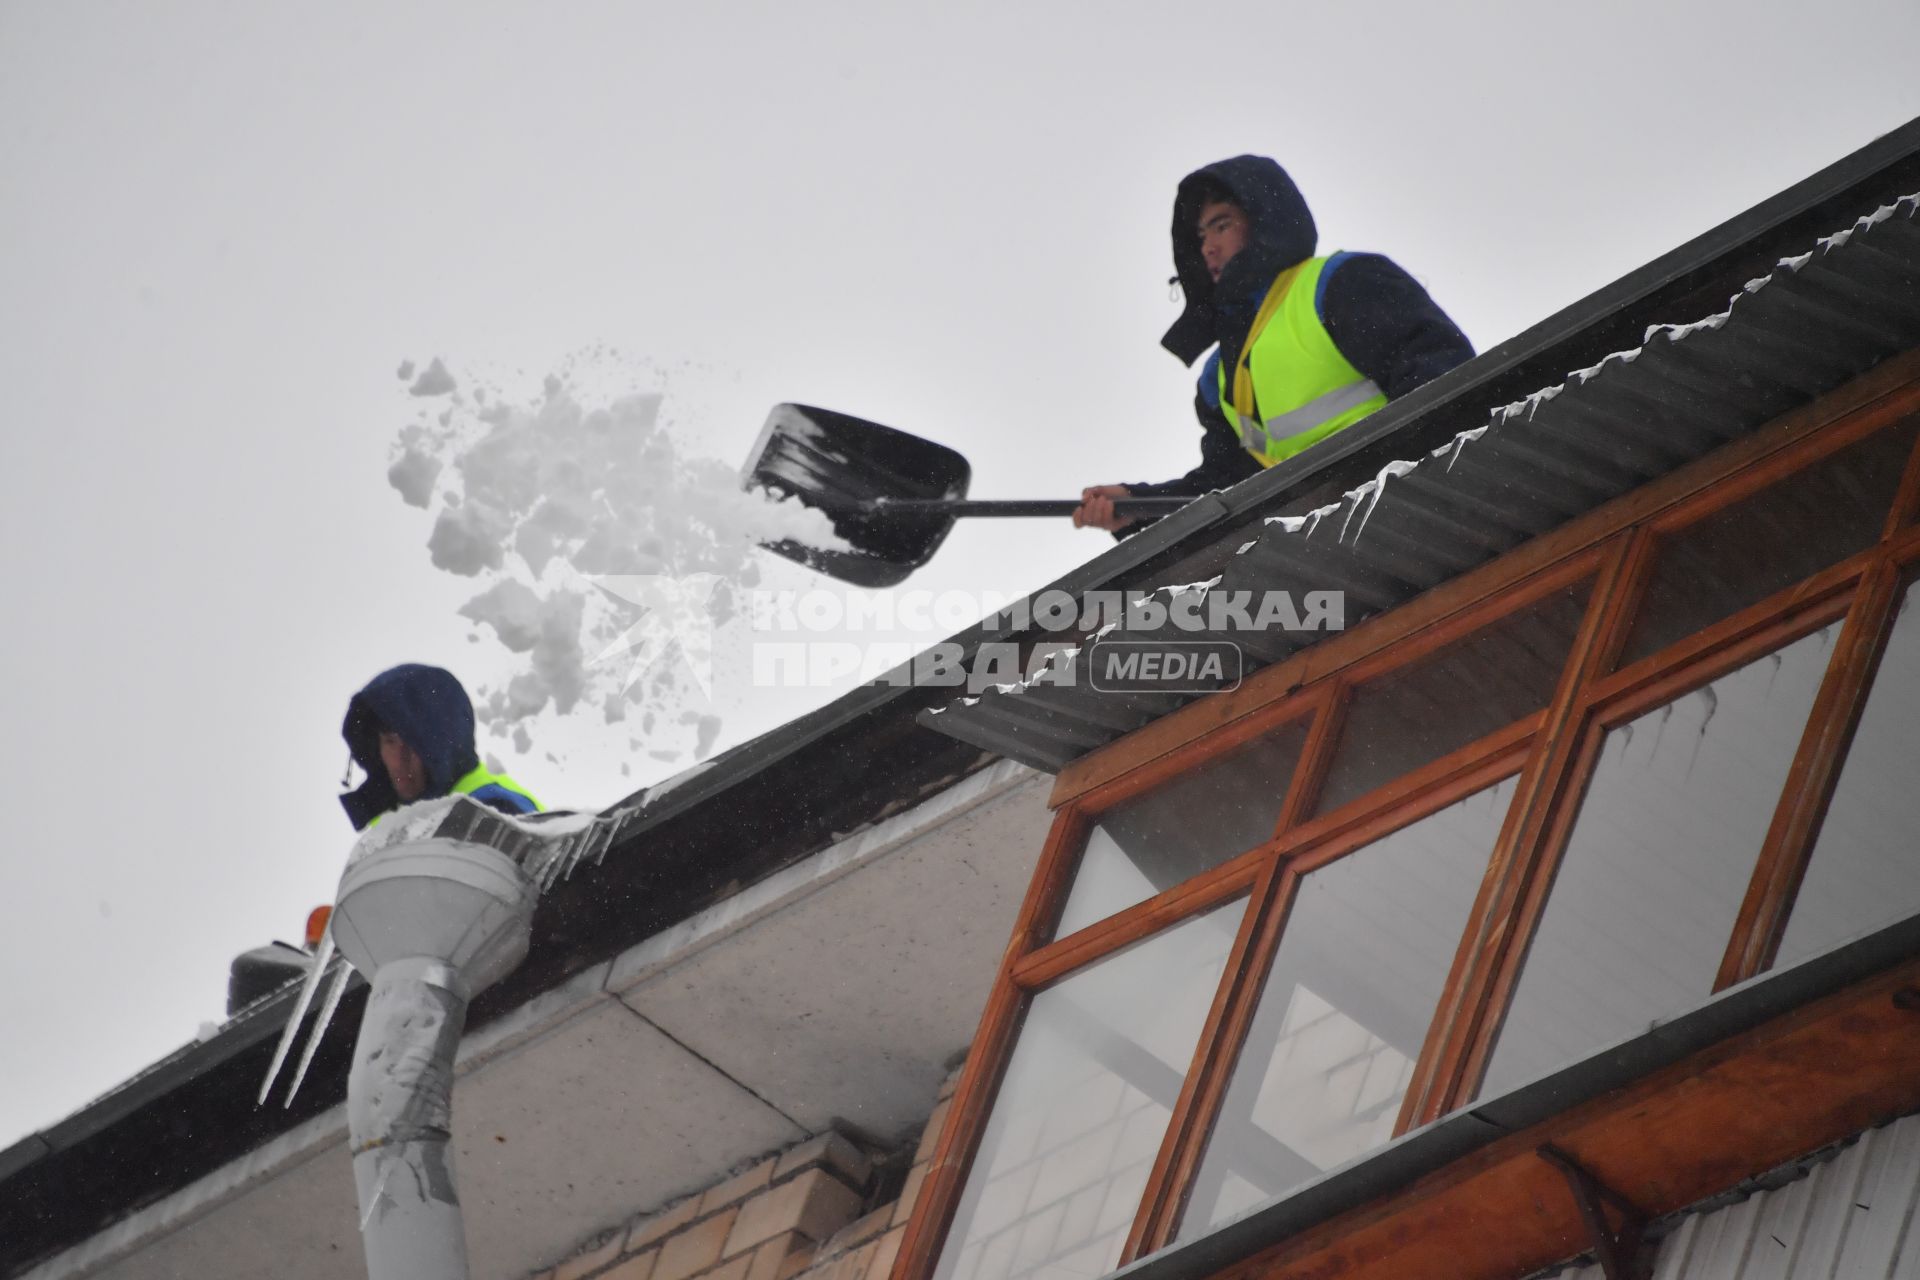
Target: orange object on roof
(317,924)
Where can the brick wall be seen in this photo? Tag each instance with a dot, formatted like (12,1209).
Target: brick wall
(800,1214)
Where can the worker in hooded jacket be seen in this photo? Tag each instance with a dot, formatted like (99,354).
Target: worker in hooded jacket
(411,729)
(1302,346)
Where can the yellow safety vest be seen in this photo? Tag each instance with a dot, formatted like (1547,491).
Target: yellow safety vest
(1291,388)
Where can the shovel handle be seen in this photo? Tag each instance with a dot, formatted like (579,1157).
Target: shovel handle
(1016,506)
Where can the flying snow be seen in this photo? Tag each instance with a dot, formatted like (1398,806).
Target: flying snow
(604,552)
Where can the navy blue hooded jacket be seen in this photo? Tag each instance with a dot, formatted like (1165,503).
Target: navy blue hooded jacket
(1379,317)
(431,712)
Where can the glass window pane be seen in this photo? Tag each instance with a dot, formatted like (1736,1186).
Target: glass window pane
(1359,970)
(1187,826)
(1817,517)
(1084,1107)
(1644,902)
(1415,715)
(1865,870)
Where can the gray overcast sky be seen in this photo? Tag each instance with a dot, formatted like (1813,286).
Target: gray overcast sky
(222,226)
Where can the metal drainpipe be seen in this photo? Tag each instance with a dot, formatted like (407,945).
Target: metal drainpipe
(432,921)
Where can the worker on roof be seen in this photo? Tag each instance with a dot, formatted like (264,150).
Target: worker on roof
(1302,346)
(411,730)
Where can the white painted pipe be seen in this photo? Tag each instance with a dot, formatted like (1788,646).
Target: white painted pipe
(400,1115)
(434,921)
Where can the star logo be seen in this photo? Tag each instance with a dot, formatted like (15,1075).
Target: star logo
(674,616)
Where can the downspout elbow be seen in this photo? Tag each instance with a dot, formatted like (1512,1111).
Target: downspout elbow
(432,920)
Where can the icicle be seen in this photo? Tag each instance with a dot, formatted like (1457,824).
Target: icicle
(373,1201)
(320,1023)
(1711,698)
(1393,470)
(1184,587)
(1591,372)
(1680,332)
(1057,664)
(1309,522)
(1508,412)
(321,955)
(1461,441)
(1660,729)
(1354,496)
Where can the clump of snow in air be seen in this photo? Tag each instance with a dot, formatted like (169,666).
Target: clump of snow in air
(436,381)
(603,550)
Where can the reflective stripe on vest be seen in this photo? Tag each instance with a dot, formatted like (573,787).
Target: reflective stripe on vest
(1296,389)
(1260,437)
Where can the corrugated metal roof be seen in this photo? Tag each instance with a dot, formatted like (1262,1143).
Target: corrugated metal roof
(1850,1214)
(1815,322)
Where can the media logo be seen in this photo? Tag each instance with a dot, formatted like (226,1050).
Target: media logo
(1164,666)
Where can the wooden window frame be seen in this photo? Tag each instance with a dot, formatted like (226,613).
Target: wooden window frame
(1551,751)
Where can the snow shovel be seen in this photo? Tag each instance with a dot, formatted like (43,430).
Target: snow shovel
(892,496)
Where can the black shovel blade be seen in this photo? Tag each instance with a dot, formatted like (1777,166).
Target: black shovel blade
(841,465)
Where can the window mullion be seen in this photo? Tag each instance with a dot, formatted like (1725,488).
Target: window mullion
(1052,881)
(1213,1061)
(1906,499)
(1810,781)
(1316,757)
(1238,996)
(1046,963)
(1509,906)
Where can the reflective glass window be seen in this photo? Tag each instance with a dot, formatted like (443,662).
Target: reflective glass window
(1865,868)
(1739,556)
(1197,821)
(1420,712)
(1084,1106)
(1643,904)
(1359,970)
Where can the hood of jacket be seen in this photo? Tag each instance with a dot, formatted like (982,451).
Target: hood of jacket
(431,712)
(1280,233)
